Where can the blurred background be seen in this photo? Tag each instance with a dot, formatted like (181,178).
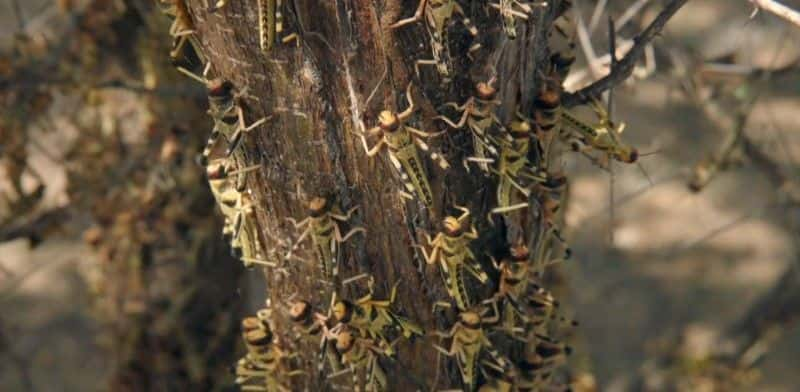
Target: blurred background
(109,233)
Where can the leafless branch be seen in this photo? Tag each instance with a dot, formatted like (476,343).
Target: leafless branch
(626,65)
(36,227)
(777,8)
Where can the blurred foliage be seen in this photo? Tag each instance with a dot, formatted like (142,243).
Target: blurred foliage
(164,284)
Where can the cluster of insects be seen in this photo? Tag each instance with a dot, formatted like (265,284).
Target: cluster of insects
(358,336)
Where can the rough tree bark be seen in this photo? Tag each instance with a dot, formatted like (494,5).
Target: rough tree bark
(315,94)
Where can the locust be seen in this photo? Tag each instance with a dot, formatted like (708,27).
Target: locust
(511,10)
(402,141)
(373,318)
(511,291)
(240,226)
(542,356)
(478,114)
(437,15)
(322,225)
(312,325)
(450,249)
(270,22)
(604,136)
(229,123)
(513,168)
(468,342)
(262,368)
(561,43)
(361,354)
(182,29)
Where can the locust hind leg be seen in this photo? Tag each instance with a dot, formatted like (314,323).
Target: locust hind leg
(415,18)
(210,143)
(236,139)
(404,178)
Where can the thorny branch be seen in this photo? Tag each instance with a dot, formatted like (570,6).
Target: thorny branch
(625,66)
(778,9)
(36,227)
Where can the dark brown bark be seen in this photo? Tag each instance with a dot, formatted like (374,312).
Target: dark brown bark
(346,50)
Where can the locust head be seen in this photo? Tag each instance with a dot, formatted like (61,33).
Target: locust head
(470,319)
(300,311)
(452,226)
(342,311)
(485,91)
(220,95)
(388,121)
(344,342)
(317,207)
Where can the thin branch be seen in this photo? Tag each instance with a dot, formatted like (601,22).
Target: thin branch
(779,9)
(35,227)
(625,66)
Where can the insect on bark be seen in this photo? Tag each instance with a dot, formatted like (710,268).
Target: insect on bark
(450,249)
(402,141)
(436,15)
(322,225)
(468,344)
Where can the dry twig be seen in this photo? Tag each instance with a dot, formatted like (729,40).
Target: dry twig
(778,9)
(625,67)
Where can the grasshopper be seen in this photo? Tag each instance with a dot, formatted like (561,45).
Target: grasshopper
(605,136)
(264,364)
(542,356)
(236,207)
(513,285)
(372,318)
(182,29)
(437,15)
(468,342)
(270,22)
(513,167)
(547,119)
(511,10)
(323,227)
(361,354)
(478,113)
(523,304)
(312,325)
(229,122)
(402,141)
(450,249)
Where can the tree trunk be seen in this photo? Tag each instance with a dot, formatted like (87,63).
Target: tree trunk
(315,94)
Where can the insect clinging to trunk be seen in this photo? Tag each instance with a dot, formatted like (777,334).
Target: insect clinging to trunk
(437,15)
(240,226)
(322,225)
(361,354)
(270,22)
(229,123)
(182,29)
(511,10)
(313,326)
(402,141)
(478,113)
(374,318)
(450,249)
(469,342)
(262,368)
(514,170)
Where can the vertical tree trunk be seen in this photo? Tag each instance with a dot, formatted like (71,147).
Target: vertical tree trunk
(315,95)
